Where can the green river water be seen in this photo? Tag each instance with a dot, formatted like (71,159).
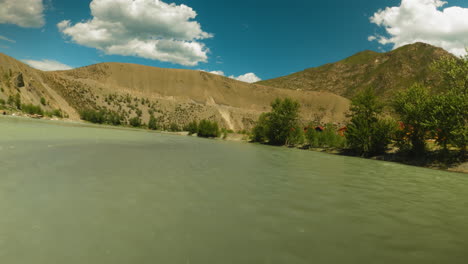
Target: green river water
(88,195)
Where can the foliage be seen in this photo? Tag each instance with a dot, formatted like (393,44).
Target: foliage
(449,111)
(259,132)
(43,101)
(55,112)
(367,134)
(153,123)
(413,106)
(327,138)
(174,127)
(135,121)
(101,116)
(32,109)
(2,102)
(192,127)
(281,125)
(15,101)
(207,128)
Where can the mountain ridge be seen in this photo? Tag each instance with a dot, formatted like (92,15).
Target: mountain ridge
(386,72)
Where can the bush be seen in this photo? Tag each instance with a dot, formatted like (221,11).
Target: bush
(192,128)
(259,132)
(102,116)
(55,112)
(2,102)
(174,127)
(328,138)
(135,122)
(208,129)
(32,109)
(43,101)
(153,123)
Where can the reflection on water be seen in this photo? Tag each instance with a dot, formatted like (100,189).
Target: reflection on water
(74,194)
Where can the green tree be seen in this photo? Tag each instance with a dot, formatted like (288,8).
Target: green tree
(207,128)
(153,123)
(280,126)
(367,133)
(414,107)
(449,115)
(43,101)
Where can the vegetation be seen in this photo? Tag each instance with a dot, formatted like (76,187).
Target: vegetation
(43,101)
(102,116)
(208,129)
(135,121)
(328,138)
(32,109)
(153,123)
(192,128)
(280,126)
(15,101)
(368,134)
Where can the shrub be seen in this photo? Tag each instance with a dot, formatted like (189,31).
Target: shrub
(135,122)
(192,127)
(43,101)
(153,123)
(32,109)
(328,138)
(15,101)
(208,129)
(174,127)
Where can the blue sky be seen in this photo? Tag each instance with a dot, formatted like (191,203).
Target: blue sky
(266,38)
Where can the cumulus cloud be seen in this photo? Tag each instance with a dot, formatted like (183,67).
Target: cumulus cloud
(24,13)
(424,21)
(248,77)
(47,65)
(149,29)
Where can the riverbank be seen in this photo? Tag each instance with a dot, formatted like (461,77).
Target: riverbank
(431,161)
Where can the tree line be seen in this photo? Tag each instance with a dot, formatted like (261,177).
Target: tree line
(416,115)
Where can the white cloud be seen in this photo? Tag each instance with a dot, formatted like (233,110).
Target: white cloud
(424,21)
(248,77)
(24,13)
(47,65)
(149,29)
(6,39)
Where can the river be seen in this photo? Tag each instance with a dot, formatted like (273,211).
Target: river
(85,194)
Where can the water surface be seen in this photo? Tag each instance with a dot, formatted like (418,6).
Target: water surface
(75,194)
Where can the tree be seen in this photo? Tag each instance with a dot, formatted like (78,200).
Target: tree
(153,123)
(367,133)
(43,101)
(414,106)
(281,125)
(283,118)
(449,115)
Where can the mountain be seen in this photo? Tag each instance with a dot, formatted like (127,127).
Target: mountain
(385,72)
(171,95)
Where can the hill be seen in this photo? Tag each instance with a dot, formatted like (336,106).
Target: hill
(171,95)
(385,72)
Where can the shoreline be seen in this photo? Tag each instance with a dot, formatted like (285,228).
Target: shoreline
(235,137)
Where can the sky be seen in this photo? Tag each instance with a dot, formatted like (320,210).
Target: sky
(249,40)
